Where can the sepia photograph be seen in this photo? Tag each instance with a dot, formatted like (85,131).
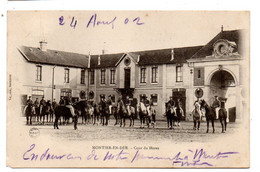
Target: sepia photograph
(128,89)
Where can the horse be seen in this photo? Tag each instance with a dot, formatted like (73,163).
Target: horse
(209,113)
(104,114)
(222,114)
(115,114)
(171,115)
(96,114)
(197,115)
(29,112)
(150,118)
(46,110)
(122,112)
(83,111)
(131,114)
(90,112)
(142,110)
(65,112)
(179,114)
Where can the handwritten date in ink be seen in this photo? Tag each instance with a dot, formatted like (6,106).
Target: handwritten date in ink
(96,21)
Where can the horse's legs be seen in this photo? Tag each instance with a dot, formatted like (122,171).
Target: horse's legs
(207,126)
(222,125)
(75,122)
(195,123)
(212,122)
(225,122)
(171,123)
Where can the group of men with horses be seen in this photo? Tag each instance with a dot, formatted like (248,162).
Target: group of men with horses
(121,110)
(174,113)
(211,112)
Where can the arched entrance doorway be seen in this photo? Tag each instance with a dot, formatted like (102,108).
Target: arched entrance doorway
(223,85)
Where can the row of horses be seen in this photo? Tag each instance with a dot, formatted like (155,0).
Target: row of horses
(98,114)
(92,114)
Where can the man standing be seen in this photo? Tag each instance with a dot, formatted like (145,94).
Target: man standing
(216,105)
(54,104)
(42,103)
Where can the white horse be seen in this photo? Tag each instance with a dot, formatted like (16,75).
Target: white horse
(142,110)
(197,115)
(151,113)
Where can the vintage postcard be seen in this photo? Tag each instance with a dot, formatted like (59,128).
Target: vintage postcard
(129,89)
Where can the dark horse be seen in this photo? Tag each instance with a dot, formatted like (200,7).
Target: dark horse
(170,115)
(65,112)
(29,113)
(46,111)
(209,113)
(223,118)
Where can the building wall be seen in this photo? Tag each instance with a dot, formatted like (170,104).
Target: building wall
(45,85)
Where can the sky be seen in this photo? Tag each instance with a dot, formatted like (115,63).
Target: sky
(128,30)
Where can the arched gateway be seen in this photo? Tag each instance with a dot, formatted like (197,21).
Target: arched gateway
(222,83)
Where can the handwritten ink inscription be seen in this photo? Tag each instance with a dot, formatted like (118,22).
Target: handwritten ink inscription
(190,158)
(94,21)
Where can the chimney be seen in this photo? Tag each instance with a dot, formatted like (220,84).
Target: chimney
(138,58)
(172,55)
(43,45)
(89,59)
(222,28)
(99,60)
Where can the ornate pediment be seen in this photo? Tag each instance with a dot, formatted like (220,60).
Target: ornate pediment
(223,48)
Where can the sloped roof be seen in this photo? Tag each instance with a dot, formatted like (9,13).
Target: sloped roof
(54,57)
(106,60)
(163,56)
(232,35)
(149,57)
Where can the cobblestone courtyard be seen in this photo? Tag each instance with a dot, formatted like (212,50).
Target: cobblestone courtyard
(184,133)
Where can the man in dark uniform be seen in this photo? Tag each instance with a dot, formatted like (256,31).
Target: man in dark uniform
(37,108)
(216,105)
(171,101)
(42,103)
(127,101)
(29,101)
(54,104)
(68,104)
(109,104)
(62,101)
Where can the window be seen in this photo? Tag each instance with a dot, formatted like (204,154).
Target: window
(112,76)
(67,76)
(82,76)
(155,74)
(92,76)
(143,75)
(38,73)
(199,74)
(103,76)
(178,74)
(154,99)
